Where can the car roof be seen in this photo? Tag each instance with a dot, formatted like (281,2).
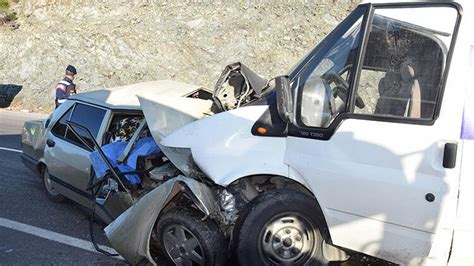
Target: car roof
(124,97)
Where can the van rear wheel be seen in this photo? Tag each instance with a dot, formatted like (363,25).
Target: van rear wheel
(280,227)
(51,192)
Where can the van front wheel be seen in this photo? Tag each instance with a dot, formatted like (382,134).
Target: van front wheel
(280,227)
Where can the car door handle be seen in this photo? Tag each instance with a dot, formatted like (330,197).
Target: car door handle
(50,143)
(449,156)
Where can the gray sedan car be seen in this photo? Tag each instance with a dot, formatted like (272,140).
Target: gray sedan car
(61,159)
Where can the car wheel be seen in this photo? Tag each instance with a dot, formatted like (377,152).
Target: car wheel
(186,239)
(49,187)
(280,227)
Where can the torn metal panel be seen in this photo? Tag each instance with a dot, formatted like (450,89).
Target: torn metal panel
(237,86)
(182,159)
(130,233)
(227,204)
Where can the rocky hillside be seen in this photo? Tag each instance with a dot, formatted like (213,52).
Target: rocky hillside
(114,42)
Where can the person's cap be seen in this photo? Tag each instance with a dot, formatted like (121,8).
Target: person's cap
(71,69)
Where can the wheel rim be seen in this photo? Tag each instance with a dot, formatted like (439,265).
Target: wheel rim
(287,239)
(182,246)
(48,184)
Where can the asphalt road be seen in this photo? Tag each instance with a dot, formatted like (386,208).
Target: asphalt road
(34,230)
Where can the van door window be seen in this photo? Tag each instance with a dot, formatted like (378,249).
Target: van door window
(405,60)
(89,117)
(324,84)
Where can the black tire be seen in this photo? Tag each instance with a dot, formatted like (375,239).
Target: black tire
(280,227)
(49,187)
(211,245)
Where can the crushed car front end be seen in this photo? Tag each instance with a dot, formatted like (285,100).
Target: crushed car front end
(181,181)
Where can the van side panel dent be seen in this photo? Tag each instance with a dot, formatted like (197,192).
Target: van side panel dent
(130,233)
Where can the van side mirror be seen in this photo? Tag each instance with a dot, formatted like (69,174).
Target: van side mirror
(284,100)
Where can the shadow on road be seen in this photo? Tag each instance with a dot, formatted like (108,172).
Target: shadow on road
(8,93)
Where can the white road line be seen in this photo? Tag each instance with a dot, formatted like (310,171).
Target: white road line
(8,149)
(50,235)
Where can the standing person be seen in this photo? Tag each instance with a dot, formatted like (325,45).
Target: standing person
(66,87)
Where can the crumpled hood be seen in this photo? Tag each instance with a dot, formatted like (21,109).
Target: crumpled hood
(165,115)
(237,87)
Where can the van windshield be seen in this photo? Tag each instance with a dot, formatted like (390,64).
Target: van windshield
(341,29)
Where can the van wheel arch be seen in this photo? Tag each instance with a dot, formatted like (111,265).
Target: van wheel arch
(276,180)
(330,252)
(249,187)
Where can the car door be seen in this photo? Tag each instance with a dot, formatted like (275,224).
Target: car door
(67,157)
(368,135)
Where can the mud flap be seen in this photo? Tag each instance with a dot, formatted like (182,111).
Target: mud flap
(130,233)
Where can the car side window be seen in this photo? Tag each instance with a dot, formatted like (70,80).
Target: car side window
(59,129)
(405,60)
(89,117)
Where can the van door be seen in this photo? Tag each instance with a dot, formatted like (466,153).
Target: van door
(67,157)
(368,135)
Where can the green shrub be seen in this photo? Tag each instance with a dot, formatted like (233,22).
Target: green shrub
(4,5)
(5,11)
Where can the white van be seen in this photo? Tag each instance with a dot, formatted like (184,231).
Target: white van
(366,145)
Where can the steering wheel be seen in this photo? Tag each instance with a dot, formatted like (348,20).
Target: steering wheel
(342,88)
